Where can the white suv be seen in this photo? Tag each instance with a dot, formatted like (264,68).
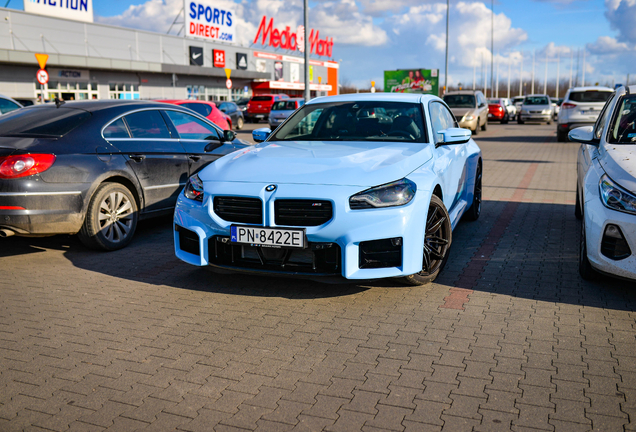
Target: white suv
(581,107)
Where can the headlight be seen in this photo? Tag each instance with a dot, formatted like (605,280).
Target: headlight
(393,194)
(615,197)
(194,188)
(546,112)
(469,117)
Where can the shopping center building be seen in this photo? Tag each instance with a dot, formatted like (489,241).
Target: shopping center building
(89,60)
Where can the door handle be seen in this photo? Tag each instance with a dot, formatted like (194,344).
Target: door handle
(194,158)
(137,158)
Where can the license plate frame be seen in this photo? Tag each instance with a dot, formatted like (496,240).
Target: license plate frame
(296,239)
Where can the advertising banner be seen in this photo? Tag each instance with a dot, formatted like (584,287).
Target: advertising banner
(196,56)
(78,10)
(412,81)
(204,20)
(278,71)
(241,61)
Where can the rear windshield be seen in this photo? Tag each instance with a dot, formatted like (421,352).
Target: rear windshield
(460,101)
(284,105)
(494,102)
(42,121)
(262,99)
(536,100)
(590,96)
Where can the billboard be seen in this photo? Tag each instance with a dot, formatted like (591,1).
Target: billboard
(78,10)
(204,20)
(412,81)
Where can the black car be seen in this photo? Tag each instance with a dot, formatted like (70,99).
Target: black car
(235,113)
(94,168)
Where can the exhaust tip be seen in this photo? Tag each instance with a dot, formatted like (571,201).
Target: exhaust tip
(4,233)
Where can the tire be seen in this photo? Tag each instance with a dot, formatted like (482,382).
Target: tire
(519,121)
(577,206)
(484,126)
(549,122)
(239,123)
(437,242)
(100,231)
(476,131)
(561,137)
(586,270)
(472,214)
(505,119)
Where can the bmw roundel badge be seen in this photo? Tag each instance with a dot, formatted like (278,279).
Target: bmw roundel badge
(271,188)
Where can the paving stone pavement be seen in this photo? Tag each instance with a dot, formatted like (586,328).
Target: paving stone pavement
(509,338)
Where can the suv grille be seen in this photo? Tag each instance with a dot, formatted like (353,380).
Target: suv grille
(302,212)
(239,209)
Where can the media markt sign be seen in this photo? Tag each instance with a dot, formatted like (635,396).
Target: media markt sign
(78,10)
(205,20)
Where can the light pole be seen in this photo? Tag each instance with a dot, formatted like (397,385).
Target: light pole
(446,67)
(306,43)
(492,43)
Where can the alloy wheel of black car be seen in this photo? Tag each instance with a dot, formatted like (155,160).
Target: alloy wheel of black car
(111,218)
(475,209)
(437,242)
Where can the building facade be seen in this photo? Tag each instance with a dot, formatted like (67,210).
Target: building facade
(96,61)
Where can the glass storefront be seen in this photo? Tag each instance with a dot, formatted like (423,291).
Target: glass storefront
(67,90)
(123,91)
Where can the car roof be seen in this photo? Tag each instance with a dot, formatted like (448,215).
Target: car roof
(379,97)
(99,105)
(537,94)
(180,101)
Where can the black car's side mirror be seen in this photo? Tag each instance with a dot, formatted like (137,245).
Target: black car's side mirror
(228,135)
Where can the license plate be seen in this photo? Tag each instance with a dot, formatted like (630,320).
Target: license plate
(268,237)
(260,115)
(489,115)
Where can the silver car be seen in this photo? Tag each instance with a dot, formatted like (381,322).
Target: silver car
(581,107)
(536,108)
(283,109)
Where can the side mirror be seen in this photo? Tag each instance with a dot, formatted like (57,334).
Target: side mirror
(228,135)
(454,136)
(260,135)
(584,135)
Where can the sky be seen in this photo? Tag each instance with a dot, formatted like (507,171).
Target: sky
(371,36)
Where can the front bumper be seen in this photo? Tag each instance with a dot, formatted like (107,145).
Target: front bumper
(536,117)
(596,219)
(346,230)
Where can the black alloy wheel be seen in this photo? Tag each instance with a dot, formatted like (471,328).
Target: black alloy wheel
(437,242)
(111,218)
(475,209)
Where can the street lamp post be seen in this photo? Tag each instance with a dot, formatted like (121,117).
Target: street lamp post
(446,67)
(306,43)
(492,43)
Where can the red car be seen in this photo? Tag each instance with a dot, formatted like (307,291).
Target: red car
(207,110)
(259,106)
(497,110)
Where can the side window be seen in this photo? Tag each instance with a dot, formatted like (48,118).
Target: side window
(7,106)
(447,117)
(190,127)
(199,108)
(598,127)
(224,106)
(147,124)
(437,120)
(116,129)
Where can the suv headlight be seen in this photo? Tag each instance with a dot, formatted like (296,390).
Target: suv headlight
(194,188)
(468,117)
(394,194)
(615,197)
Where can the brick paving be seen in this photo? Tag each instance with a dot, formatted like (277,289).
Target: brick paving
(136,340)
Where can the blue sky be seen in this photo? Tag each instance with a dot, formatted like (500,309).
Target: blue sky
(373,35)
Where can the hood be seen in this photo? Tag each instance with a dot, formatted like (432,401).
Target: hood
(619,162)
(340,163)
(461,112)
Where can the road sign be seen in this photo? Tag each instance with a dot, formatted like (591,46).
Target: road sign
(42,59)
(42,76)
(372,83)
(228,72)
(228,83)
(372,89)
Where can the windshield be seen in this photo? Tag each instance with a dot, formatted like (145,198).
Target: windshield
(284,105)
(42,121)
(590,96)
(518,99)
(536,100)
(262,99)
(623,127)
(460,101)
(354,121)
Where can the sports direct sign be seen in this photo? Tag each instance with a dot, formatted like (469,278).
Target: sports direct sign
(203,20)
(286,39)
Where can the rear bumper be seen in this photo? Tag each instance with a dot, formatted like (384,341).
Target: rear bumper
(471,124)
(569,126)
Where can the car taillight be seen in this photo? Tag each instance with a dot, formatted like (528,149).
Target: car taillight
(248,106)
(500,108)
(24,165)
(568,105)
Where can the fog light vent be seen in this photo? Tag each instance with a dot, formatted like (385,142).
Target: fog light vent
(188,240)
(614,246)
(381,253)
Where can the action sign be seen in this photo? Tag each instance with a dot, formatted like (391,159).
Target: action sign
(204,20)
(42,76)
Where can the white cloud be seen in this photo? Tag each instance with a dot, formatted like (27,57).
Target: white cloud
(606,45)
(622,15)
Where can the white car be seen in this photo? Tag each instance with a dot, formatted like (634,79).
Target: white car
(7,104)
(606,189)
(337,191)
(580,107)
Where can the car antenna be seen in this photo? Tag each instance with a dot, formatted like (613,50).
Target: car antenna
(58,102)
(627,89)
